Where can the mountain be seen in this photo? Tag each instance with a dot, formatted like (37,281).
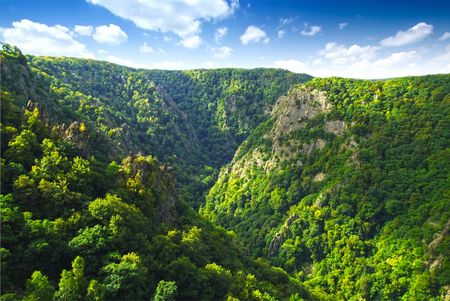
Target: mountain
(193,120)
(89,214)
(131,184)
(346,186)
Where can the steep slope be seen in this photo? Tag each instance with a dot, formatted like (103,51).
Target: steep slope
(192,120)
(77,226)
(346,187)
(342,183)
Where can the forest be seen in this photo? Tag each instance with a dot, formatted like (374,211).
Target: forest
(220,184)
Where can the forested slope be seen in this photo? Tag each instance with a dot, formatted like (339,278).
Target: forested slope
(78,225)
(346,186)
(193,120)
(342,184)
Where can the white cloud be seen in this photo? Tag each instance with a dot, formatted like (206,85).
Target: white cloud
(339,54)
(109,34)
(124,62)
(281,33)
(445,36)
(440,63)
(342,25)
(291,65)
(168,65)
(255,35)
(183,17)
(370,62)
(208,64)
(145,48)
(285,21)
(313,30)
(364,62)
(220,33)
(412,35)
(223,52)
(167,39)
(318,61)
(84,30)
(191,42)
(41,39)
(396,58)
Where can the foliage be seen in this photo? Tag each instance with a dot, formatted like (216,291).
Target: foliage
(364,213)
(83,207)
(193,120)
(165,291)
(336,191)
(38,288)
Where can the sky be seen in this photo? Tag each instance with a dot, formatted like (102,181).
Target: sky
(360,39)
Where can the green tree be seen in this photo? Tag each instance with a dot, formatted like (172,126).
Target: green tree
(95,291)
(72,285)
(127,279)
(165,291)
(23,148)
(38,288)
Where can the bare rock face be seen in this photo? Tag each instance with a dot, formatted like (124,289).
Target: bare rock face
(316,144)
(280,237)
(336,127)
(319,177)
(435,262)
(167,207)
(150,173)
(290,113)
(300,104)
(275,244)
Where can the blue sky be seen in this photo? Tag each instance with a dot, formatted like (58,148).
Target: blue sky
(362,39)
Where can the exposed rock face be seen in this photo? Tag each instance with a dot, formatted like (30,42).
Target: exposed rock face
(292,110)
(439,237)
(275,244)
(289,114)
(435,263)
(336,127)
(280,237)
(316,144)
(319,177)
(150,173)
(76,134)
(167,206)
(446,294)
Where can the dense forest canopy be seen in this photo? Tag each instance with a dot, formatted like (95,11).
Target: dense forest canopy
(132,184)
(353,196)
(193,120)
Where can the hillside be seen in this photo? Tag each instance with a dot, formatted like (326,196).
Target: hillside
(87,215)
(226,184)
(192,120)
(346,187)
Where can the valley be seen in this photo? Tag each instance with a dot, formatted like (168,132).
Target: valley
(221,184)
